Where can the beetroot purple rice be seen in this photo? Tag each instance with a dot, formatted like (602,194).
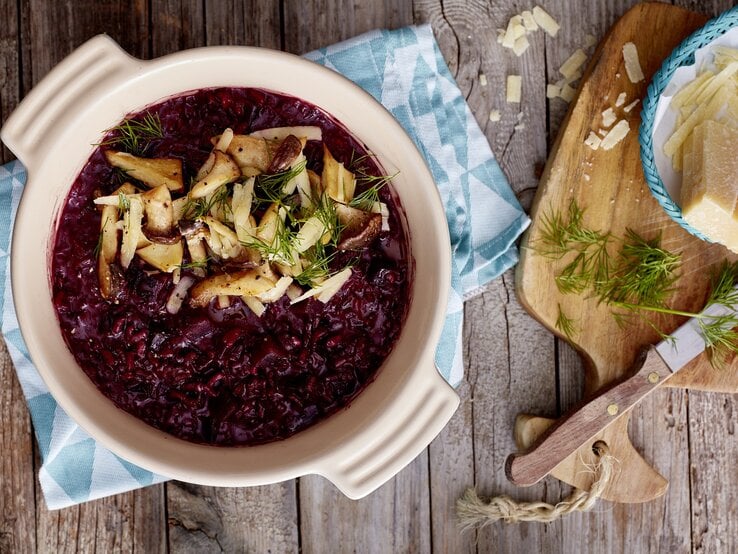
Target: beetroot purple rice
(224,376)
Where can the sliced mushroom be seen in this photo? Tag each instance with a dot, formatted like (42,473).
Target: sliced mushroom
(150,171)
(164,257)
(250,152)
(133,235)
(159,212)
(108,251)
(337,181)
(289,150)
(224,171)
(243,283)
(241,208)
(359,228)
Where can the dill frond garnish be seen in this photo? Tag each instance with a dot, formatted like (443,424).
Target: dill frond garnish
(201,264)
(124,203)
(565,324)
(318,267)
(270,188)
(133,135)
(98,246)
(280,249)
(325,210)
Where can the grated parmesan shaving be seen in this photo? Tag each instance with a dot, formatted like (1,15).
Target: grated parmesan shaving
(567,93)
(632,64)
(483,79)
(528,21)
(553,91)
(569,68)
(621,100)
(616,134)
(608,117)
(630,106)
(593,141)
(521,45)
(494,115)
(514,89)
(545,21)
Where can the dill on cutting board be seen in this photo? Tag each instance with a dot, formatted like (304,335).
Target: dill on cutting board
(637,281)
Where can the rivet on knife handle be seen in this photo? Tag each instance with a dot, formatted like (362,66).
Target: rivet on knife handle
(584,422)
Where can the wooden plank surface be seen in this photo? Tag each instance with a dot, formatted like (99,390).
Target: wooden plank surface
(513,364)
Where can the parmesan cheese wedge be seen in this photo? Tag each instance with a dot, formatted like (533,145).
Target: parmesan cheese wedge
(709,196)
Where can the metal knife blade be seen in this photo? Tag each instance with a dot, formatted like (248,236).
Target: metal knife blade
(688,342)
(583,423)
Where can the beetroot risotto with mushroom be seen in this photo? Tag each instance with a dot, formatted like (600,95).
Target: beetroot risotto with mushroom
(231,266)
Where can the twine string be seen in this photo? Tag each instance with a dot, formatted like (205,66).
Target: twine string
(473,512)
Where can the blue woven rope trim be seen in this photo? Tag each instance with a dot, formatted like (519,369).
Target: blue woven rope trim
(682,55)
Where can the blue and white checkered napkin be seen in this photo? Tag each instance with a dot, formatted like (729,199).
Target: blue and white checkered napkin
(405,71)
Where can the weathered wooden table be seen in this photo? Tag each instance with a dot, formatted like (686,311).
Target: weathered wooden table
(513,364)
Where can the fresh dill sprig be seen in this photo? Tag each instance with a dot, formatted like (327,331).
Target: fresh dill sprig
(366,199)
(318,266)
(644,273)
(280,249)
(565,324)
(134,135)
(98,246)
(269,188)
(200,264)
(325,210)
(124,203)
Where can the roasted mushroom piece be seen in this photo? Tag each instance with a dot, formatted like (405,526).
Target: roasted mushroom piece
(150,171)
(359,228)
(243,283)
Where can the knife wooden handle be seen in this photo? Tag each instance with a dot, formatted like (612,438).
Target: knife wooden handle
(585,421)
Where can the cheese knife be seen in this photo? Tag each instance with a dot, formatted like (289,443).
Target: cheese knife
(581,424)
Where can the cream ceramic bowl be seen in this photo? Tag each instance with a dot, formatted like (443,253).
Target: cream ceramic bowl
(359,448)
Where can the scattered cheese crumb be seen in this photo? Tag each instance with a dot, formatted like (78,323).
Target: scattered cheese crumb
(514,89)
(587,177)
(528,22)
(483,79)
(568,93)
(545,21)
(553,91)
(615,135)
(494,115)
(589,41)
(608,117)
(520,46)
(617,75)
(573,63)
(630,106)
(593,141)
(621,100)
(632,65)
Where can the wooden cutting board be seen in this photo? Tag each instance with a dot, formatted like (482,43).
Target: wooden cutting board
(610,187)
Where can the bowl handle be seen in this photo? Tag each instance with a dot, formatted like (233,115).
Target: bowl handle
(43,113)
(396,439)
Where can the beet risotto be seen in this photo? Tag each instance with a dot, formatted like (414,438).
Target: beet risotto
(231,266)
